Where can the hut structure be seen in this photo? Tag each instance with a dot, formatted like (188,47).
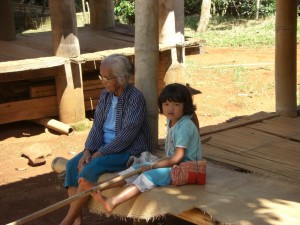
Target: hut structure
(157,47)
(70,56)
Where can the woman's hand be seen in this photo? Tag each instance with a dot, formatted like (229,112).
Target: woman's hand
(85,159)
(96,154)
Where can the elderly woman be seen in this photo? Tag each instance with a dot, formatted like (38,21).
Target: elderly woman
(120,130)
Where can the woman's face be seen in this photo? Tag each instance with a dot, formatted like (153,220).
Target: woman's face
(173,110)
(110,81)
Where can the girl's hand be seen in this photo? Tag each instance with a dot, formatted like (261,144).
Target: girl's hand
(145,168)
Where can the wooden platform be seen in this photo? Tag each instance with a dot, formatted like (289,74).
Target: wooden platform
(264,143)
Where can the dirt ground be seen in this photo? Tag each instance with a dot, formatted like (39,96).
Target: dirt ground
(227,92)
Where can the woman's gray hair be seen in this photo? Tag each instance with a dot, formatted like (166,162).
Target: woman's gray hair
(120,67)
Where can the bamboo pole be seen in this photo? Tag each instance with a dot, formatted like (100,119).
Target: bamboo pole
(54,125)
(77,196)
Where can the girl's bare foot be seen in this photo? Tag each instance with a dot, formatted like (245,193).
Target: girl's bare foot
(106,203)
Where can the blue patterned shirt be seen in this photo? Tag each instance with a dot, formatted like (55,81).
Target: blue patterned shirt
(132,129)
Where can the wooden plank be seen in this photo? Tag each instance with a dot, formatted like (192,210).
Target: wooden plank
(33,109)
(91,88)
(37,90)
(31,64)
(242,139)
(281,126)
(14,51)
(196,216)
(29,74)
(28,109)
(91,94)
(254,164)
(256,144)
(99,55)
(258,117)
(117,36)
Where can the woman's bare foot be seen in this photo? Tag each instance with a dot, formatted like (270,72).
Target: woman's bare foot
(106,203)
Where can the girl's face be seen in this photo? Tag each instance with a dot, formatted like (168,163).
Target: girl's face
(173,110)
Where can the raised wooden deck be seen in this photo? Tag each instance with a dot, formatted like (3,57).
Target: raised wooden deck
(264,143)
(29,59)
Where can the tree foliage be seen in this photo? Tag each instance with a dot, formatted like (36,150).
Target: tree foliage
(125,9)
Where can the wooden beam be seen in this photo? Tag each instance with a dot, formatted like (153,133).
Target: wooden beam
(28,109)
(7,23)
(31,64)
(286,58)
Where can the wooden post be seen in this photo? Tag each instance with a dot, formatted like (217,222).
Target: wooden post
(102,14)
(168,35)
(179,20)
(286,58)
(7,23)
(64,28)
(146,58)
(69,93)
(66,44)
(167,22)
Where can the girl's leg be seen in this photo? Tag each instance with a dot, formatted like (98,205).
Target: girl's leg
(110,203)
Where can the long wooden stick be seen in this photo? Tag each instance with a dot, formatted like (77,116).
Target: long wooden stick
(77,196)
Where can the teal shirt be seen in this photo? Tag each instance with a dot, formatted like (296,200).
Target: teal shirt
(186,135)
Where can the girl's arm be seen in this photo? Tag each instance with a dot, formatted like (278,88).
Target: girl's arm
(173,160)
(168,162)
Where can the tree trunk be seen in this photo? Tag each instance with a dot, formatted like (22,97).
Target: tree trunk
(257,9)
(204,16)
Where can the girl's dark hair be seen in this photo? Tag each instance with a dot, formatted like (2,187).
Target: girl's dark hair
(177,93)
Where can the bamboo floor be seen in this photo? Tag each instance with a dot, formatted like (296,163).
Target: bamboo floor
(263,143)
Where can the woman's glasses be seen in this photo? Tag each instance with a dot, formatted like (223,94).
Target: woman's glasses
(104,79)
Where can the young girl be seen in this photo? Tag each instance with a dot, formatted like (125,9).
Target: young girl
(182,144)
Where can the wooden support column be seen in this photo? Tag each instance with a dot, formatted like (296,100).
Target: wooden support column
(179,20)
(286,58)
(64,28)
(69,93)
(7,23)
(146,58)
(66,44)
(168,35)
(102,14)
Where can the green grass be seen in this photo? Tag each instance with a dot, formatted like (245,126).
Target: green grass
(235,32)
(82,125)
